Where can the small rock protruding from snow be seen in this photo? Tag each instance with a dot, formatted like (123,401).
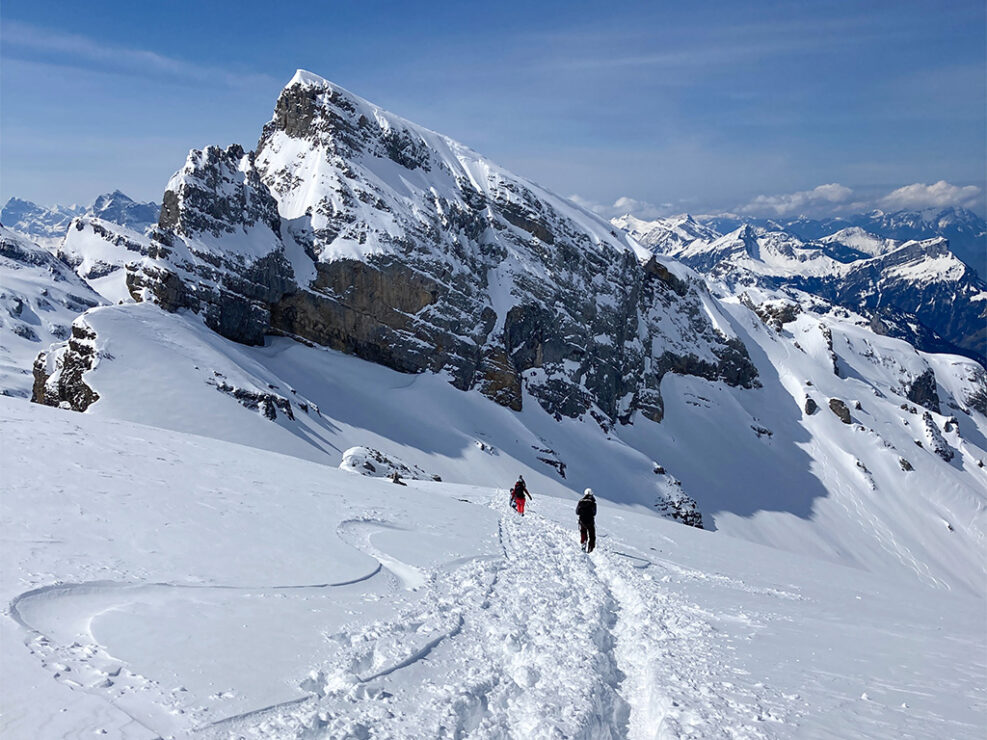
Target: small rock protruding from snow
(839,408)
(905,465)
(485,447)
(934,437)
(674,503)
(810,405)
(375,464)
(777,313)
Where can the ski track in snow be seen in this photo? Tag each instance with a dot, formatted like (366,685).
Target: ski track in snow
(545,642)
(59,620)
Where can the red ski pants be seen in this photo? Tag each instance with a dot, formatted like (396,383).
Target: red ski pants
(518,504)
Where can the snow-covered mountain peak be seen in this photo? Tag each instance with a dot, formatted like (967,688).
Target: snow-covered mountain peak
(304,77)
(858,238)
(356,229)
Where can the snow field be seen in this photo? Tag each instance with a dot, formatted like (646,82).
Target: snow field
(543,642)
(159,584)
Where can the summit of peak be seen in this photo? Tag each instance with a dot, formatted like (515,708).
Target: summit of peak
(304,77)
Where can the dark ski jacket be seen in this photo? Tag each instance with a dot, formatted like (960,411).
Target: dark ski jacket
(586,509)
(520,490)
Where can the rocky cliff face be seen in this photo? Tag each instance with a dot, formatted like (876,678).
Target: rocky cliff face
(217,248)
(357,230)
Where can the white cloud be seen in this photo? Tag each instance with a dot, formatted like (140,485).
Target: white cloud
(832,199)
(835,199)
(938,195)
(624,205)
(823,197)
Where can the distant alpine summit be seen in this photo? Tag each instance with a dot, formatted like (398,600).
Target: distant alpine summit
(48,226)
(914,289)
(964,229)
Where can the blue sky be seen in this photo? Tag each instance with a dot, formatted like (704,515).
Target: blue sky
(653,107)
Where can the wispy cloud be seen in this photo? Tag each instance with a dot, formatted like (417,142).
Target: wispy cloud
(706,46)
(624,205)
(832,199)
(25,41)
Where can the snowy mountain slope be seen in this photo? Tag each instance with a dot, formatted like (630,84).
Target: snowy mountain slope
(754,461)
(99,250)
(163,584)
(856,238)
(40,297)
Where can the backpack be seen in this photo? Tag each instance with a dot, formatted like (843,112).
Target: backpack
(518,490)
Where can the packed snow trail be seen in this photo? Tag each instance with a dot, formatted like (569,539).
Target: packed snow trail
(543,642)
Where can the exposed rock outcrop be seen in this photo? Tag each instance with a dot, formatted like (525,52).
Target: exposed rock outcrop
(375,464)
(923,391)
(58,375)
(674,503)
(839,408)
(933,437)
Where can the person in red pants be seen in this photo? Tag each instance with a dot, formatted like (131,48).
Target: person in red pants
(586,511)
(518,493)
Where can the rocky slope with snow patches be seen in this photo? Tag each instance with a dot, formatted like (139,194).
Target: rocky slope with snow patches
(99,250)
(40,298)
(916,290)
(357,230)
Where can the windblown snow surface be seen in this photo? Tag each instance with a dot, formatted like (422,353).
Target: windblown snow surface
(164,584)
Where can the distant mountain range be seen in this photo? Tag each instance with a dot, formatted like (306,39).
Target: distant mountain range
(965,230)
(914,289)
(48,226)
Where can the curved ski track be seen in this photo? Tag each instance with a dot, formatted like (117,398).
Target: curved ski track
(543,642)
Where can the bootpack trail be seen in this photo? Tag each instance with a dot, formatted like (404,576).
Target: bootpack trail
(542,641)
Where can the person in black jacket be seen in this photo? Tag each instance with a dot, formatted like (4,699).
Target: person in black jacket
(586,511)
(518,493)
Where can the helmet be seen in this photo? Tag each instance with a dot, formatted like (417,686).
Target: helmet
(588,493)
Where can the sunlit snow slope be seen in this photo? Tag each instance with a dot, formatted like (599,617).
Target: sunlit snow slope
(758,465)
(164,584)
